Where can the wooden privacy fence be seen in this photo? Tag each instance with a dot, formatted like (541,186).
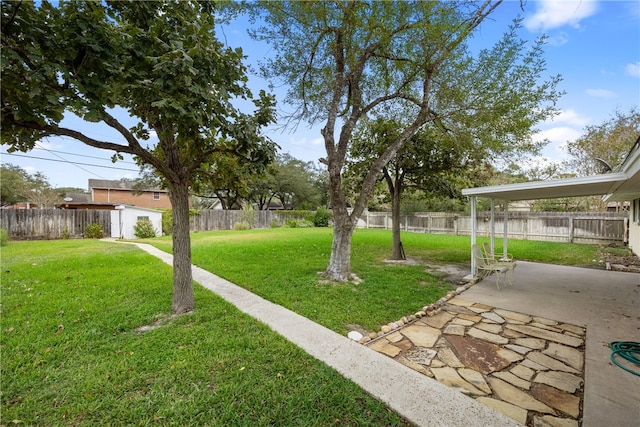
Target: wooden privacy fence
(31,224)
(576,227)
(207,220)
(52,223)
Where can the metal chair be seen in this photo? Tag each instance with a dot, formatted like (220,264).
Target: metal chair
(495,256)
(484,267)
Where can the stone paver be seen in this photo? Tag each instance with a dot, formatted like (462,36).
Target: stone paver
(513,411)
(450,377)
(421,336)
(527,367)
(560,380)
(565,402)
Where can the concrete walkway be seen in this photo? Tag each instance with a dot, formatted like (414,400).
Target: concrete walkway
(416,397)
(606,302)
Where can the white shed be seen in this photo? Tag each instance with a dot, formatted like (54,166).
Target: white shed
(125,217)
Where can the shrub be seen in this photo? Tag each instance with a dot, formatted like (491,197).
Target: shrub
(93,231)
(275,224)
(143,229)
(242,225)
(65,233)
(4,237)
(322,217)
(298,223)
(248,216)
(167,222)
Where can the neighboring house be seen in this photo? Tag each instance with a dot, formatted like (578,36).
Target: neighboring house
(105,194)
(82,201)
(621,185)
(22,205)
(122,192)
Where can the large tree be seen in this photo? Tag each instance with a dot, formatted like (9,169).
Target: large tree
(603,146)
(292,183)
(429,161)
(487,113)
(345,61)
(157,62)
(14,185)
(17,185)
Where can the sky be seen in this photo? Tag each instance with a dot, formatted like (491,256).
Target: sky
(593,45)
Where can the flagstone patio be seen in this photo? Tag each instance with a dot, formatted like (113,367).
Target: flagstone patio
(529,368)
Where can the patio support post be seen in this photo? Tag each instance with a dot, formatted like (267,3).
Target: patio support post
(492,225)
(505,228)
(473,233)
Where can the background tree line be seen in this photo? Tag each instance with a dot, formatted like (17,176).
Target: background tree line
(293,184)
(19,186)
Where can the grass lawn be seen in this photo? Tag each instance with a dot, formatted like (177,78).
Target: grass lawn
(71,354)
(282,266)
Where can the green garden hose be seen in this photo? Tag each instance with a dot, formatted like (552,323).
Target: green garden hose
(628,350)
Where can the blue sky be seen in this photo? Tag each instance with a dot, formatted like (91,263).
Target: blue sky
(594,45)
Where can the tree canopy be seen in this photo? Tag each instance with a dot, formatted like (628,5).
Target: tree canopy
(344,62)
(17,185)
(603,146)
(157,62)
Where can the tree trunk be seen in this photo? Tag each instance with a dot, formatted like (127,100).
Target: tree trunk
(183,298)
(397,252)
(339,268)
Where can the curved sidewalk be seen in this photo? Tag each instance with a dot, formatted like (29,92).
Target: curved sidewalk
(419,399)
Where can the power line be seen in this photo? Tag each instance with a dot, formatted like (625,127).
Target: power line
(73,163)
(67,161)
(82,155)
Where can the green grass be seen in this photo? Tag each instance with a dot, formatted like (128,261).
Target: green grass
(282,265)
(71,354)
(455,249)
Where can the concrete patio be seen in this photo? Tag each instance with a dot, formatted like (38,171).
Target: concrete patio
(607,303)
(523,350)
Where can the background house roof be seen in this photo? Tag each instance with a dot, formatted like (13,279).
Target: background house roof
(117,185)
(78,198)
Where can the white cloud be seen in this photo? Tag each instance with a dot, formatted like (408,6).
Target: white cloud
(304,141)
(30,169)
(571,117)
(633,69)
(601,93)
(558,135)
(557,13)
(558,39)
